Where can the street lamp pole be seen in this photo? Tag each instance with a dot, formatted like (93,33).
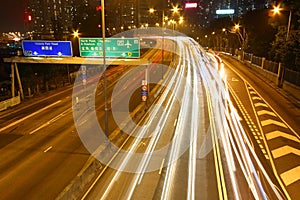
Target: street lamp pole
(289,26)
(104,66)
(163,42)
(281,70)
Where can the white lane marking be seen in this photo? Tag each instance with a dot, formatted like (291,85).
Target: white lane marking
(274,122)
(48,149)
(50,121)
(161,166)
(291,176)
(276,134)
(266,112)
(285,150)
(28,116)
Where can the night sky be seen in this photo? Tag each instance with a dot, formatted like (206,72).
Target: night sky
(12,15)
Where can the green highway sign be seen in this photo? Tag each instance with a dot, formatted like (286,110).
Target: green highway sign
(114,47)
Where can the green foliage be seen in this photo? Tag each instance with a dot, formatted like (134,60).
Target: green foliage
(260,32)
(287,52)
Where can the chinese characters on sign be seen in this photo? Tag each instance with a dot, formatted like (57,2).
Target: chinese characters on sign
(47,48)
(115,47)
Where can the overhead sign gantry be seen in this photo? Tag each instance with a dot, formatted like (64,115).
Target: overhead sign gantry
(42,48)
(114,47)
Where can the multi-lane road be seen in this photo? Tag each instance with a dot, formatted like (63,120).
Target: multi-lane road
(207,131)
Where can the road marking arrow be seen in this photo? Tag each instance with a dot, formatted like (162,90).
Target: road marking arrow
(291,176)
(274,122)
(256,98)
(261,104)
(276,134)
(285,150)
(266,112)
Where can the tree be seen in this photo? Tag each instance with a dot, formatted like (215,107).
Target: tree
(286,46)
(260,32)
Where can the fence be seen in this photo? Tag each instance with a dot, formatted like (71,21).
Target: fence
(273,67)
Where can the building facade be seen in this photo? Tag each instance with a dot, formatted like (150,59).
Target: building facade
(54,19)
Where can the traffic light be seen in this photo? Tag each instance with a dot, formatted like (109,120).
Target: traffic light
(28,17)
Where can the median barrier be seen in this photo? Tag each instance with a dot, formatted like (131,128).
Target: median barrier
(10,102)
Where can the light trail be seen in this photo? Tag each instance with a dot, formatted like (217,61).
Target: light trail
(230,142)
(147,155)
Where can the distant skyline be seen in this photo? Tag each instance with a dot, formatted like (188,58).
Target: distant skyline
(12,15)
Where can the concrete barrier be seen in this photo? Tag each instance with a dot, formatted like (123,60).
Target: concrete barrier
(10,102)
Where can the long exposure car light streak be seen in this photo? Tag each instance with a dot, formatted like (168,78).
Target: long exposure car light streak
(233,133)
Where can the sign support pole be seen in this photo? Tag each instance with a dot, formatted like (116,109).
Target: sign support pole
(12,80)
(104,66)
(19,81)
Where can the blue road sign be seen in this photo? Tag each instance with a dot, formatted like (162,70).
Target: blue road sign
(144,93)
(47,48)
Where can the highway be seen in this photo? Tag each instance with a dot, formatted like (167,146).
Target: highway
(207,131)
(163,160)
(41,152)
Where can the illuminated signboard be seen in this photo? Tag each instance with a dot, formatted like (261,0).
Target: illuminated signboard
(47,48)
(115,47)
(225,12)
(191,5)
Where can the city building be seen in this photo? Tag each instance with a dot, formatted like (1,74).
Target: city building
(54,19)
(209,10)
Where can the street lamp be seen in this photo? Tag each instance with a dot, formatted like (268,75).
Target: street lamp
(242,37)
(104,66)
(76,34)
(175,9)
(276,11)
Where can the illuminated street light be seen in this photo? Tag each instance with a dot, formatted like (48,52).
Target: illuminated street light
(151,10)
(76,34)
(276,11)
(237,27)
(175,9)
(180,20)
